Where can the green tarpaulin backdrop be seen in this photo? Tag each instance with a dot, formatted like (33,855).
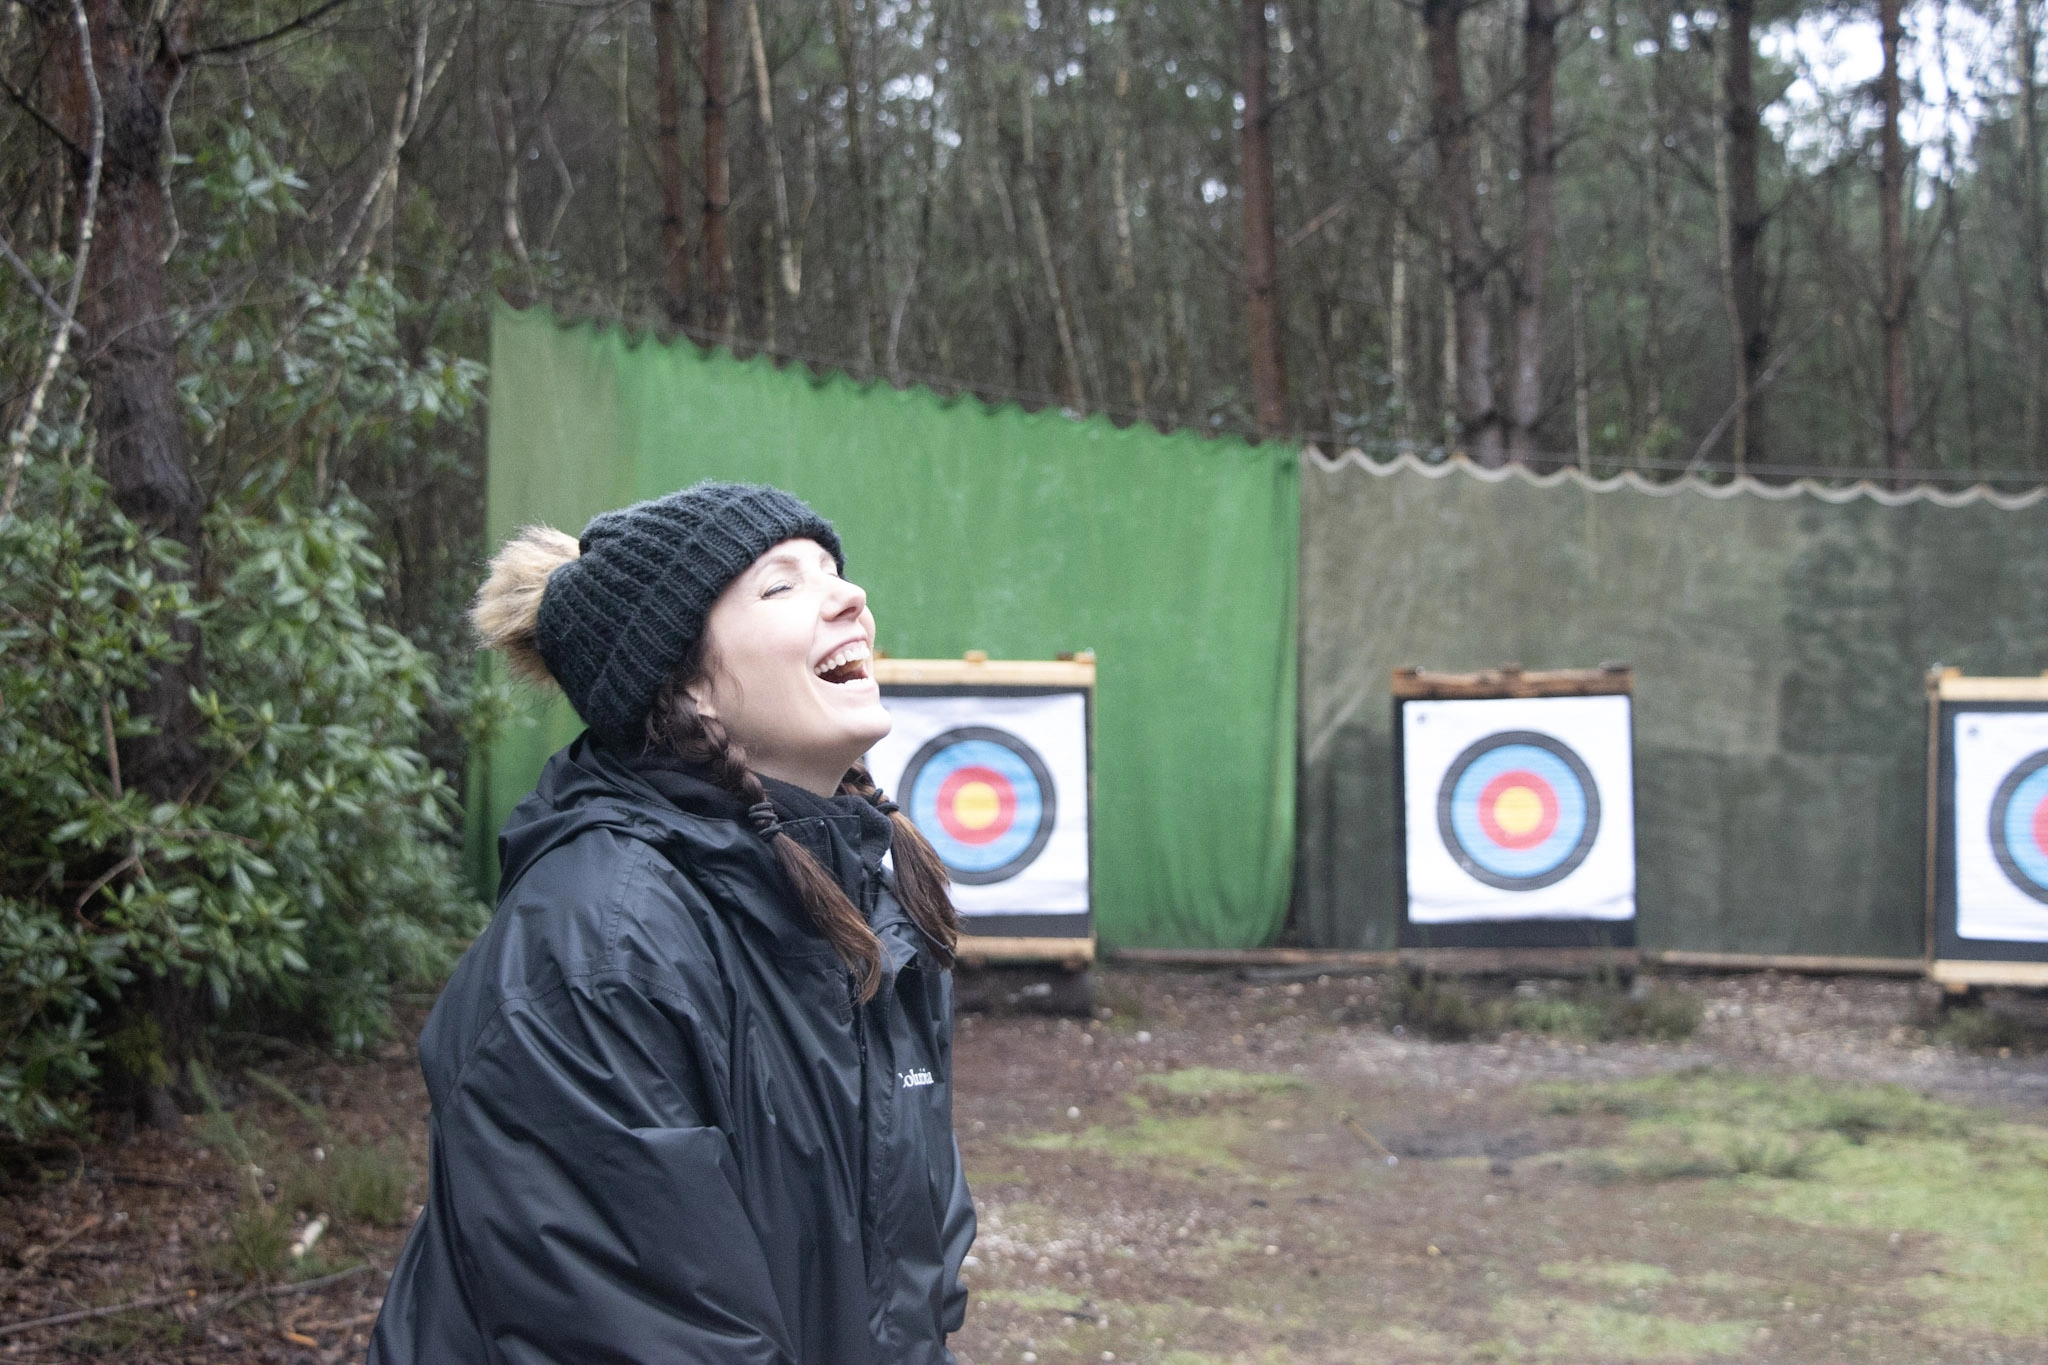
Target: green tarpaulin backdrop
(1780,639)
(1173,557)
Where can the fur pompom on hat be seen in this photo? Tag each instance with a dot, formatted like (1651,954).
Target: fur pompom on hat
(610,616)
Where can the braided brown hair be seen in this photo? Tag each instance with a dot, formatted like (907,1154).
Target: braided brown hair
(676,725)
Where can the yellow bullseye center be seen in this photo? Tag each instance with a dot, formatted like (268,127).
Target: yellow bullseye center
(1518,810)
(976,805)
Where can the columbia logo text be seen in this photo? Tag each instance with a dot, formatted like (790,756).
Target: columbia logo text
(907,1079)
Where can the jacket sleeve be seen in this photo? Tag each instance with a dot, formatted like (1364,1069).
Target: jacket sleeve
(597,1206)
(958,1234)
(958,1226)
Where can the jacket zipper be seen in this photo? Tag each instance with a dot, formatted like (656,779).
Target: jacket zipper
(868,1229)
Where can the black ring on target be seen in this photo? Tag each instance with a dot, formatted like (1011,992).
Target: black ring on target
(1550,875)
(2001,844)
(918,799)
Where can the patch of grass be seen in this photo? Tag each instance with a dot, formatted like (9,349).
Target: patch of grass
(1766,1155)
(1876,1157)
(1708,1097)
(1610,1275)
(1041,1299)
(350,1183)
(1984,1197)
(1437,1007)
(366,1184)
(258,1241)
(1662,1012)
(1863,1113)
(1208,1083)
(1600,1011)
(1545,1329)
(1983,1029)
(1181,1145)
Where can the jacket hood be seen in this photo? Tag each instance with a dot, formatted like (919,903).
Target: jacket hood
(700,826)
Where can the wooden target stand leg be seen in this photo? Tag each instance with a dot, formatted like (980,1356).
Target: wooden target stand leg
(1025,976)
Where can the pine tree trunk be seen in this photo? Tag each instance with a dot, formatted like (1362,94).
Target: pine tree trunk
(866,195)
(2027,36)
(1120,203)
(1072,391)
(1539,217)
(1743,230)
(668,144)
(764,96)
(129,359)
(1891,188)
(1479,421)
(1261,252)
(717,173)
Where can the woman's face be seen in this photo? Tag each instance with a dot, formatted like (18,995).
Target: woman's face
(790,644)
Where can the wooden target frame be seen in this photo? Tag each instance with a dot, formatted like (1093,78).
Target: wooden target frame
(1957,962)
(1597,941)
(1064,940)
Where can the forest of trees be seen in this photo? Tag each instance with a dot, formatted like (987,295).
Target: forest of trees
(1615,233)
(249,248)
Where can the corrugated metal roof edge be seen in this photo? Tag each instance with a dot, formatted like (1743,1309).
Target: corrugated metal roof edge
(944,393)
(1632,481)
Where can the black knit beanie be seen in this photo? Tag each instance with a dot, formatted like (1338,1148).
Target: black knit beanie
(615,622)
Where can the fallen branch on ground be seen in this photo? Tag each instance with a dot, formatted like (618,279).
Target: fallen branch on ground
(218,1304)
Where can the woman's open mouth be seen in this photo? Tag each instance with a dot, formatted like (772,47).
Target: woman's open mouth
(848,663)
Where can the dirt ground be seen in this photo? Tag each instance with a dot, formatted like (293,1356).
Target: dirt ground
(1223,1168)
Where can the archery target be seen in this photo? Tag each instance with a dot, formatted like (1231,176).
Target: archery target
(1519,809)
(999,786)
(985,800)
(2001,825)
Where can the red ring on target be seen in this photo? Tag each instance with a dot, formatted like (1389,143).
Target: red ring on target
(952,817)
(1489,809)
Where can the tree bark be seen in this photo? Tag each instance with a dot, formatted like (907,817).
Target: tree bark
(1657,214)
(1742,230)
(1891,188)
(1120,203)
(865,195)
(668,143)
(1261,252)
(1539,217)
(2028,38)
(1074,392)
(1397,324)
(1582,383)
(764,97)
(1479,420)
(717,173)
(129,361)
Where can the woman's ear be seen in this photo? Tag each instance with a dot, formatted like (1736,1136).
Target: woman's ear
(699,693)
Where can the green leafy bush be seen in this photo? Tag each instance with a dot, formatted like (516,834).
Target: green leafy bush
(309,869)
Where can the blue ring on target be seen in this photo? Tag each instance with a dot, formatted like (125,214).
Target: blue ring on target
(1000,819)
(1524,766)
(2019,825)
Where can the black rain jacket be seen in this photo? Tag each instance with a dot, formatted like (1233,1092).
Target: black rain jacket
(664,1129)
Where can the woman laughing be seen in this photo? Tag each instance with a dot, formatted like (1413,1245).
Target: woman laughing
(691,1089)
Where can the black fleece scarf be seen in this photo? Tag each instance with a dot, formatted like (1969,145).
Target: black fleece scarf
(808,816)
(846,834)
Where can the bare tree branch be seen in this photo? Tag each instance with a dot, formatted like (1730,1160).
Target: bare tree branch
(244,44)
(42,120)
(28,277)
(17,440)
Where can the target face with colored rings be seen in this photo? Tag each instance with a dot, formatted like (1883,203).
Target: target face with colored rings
(2019,825)
(984,799)
(1518,810)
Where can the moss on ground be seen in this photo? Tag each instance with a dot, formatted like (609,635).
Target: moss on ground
(1547,1329)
